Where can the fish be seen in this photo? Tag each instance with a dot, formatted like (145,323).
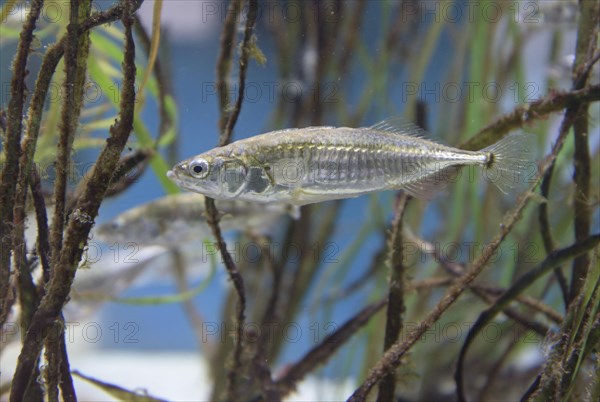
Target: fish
(179,218)
(315,164)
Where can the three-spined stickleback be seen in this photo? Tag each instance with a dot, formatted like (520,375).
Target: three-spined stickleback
(314,164)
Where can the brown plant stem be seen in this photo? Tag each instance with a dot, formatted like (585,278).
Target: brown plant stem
(554,102)
(11,148)
(586,46)
(76,52)
(27,293)
(80,224)
(227,122)
(224,63)
(243,68)
(395,306)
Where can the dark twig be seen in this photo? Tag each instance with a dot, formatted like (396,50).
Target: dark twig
(581,204)
(224,63)
(28,294)
(553,260)
(227,123)
(11,148)
(76,55)
(570,116)
(11,187)
(79,225)
(67,388)
(34,119)
(587,34)
(52,357)
(243,67)
(238,283)
(523,114)
(129,170)
(76,51)
(395,306)
(114,13)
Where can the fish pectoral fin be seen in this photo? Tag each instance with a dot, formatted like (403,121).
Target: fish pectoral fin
(294,211)
(427,187)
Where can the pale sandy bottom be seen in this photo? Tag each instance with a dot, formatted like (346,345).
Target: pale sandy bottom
(174,376)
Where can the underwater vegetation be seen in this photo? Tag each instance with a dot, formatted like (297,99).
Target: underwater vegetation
(486,289)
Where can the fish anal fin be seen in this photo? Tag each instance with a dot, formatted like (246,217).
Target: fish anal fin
(428,187)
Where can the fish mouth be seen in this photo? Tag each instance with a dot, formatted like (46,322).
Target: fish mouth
(180,180)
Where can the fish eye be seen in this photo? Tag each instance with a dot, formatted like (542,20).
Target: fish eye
(198,168)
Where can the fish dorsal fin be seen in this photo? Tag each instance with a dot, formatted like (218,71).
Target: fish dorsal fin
(400,125)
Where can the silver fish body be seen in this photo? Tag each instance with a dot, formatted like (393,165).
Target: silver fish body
(307,165)
(176,219)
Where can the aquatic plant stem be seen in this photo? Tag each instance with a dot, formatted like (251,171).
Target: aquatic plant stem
(11,148)
(80,224)
(243,68)
(524,114)
(586,46)
(9,190)
(224,64)
(396,292)
(76,55)
(226,123)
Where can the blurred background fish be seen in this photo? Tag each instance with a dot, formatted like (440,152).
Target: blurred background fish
(179,218)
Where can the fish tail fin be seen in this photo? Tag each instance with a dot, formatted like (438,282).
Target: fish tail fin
(511,162)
